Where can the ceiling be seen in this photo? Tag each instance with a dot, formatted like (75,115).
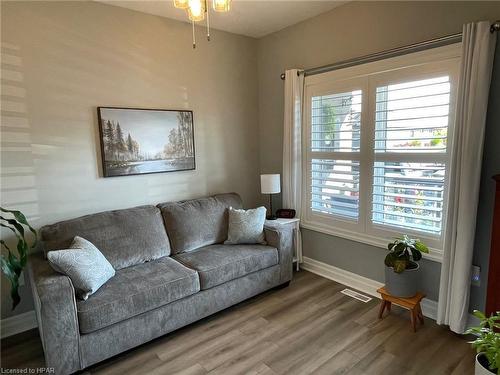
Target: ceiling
(255,18)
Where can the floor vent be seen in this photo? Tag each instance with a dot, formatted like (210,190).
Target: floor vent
(354,294)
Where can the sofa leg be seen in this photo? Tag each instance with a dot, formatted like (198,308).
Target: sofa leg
(282,286)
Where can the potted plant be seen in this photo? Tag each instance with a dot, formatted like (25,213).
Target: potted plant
(487,343)
(12,264)
(402,267)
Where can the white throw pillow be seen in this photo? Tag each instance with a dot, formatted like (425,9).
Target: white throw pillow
(84,264)
(246,226)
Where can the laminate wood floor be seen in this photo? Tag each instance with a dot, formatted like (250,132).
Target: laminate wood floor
(307,328)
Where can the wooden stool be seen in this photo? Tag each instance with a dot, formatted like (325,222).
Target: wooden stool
(412,304)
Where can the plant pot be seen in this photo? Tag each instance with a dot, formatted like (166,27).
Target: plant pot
(402,284)
(482,366)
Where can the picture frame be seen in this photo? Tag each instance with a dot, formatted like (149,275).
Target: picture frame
(136,141)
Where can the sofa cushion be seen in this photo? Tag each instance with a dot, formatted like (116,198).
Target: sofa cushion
(217,264)
(246,226)
(198,222)
(125,237)
(135,290)
(84,264)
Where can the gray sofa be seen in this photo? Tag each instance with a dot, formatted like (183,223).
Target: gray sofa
(171,270)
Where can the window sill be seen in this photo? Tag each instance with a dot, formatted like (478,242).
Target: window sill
(434,254)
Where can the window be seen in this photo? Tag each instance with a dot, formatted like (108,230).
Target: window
(377,148)
(411,118)
(335,131)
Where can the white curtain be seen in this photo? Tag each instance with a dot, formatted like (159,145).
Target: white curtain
(292,144)
(478,47)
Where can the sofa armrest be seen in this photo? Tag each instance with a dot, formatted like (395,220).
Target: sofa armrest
(55,306)
(282,239)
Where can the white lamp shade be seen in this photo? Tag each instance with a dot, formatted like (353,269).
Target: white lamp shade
(270,183)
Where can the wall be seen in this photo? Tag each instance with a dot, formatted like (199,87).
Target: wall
(60,60)
(351,30)
(491,167)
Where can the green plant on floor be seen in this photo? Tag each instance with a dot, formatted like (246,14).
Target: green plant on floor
(12,264)
(488,338)
(403,251)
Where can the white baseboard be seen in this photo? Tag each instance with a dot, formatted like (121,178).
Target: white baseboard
(361,283)
(430,308)
(17,324)
(358,282)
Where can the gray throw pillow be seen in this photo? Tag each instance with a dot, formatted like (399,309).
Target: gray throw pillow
(246,226)
(84,264)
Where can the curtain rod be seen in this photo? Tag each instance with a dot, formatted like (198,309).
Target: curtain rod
(398,51)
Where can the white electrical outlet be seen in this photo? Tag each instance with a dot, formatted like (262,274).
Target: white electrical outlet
(476,276)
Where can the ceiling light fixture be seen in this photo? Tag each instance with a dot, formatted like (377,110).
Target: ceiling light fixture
(181,4)
(198,9)
(221,5)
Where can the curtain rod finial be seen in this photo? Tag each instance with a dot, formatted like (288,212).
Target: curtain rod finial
(282,76)
(495,26)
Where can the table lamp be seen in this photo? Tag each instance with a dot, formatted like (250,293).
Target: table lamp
(270,184)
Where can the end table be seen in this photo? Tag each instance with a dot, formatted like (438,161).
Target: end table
(297,246)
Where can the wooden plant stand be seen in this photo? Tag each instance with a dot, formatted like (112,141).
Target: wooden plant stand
(412,304)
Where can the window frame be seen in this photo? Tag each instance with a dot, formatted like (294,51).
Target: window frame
(342,86)
(366,77)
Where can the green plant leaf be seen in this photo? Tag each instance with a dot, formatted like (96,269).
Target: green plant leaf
(479,314)
(13,231)
(400,265)
(22,249)
(12,265)
(14,292)
(416,255)
(15,224)
(487,338)
(14,281)
(406,249)
(399,248)
(389,260)
(2,242)
(21,218)
(7,269)
(421,247)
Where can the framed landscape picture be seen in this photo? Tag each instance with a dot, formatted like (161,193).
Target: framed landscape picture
(140,141)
